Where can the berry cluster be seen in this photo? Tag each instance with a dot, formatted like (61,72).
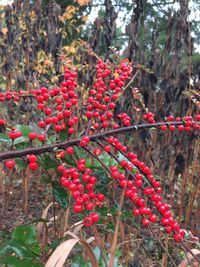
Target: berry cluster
(134,184)
(58,111)
(81,183)
(102,98)
(64,99)
(33,165)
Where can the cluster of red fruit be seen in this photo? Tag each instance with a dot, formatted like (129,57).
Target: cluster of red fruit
(64,99)
(58,108)
(33,165)
(134,188)
(103,96)
(188,123)
(81,184)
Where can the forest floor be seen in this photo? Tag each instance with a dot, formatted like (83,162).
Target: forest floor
(12,211)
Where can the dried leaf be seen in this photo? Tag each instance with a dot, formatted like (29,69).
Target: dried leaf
(39,226)
(83,2)
(59,256)
(185,262)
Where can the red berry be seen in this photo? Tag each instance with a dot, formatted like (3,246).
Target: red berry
(33,166)
(71,130)
(170,118)
(145,222)
(32,158)
(95,217)
(77,208)
(58,128)
(2,122)
(10,164)
(48,111)
(70,150)
(87,221)
(138,183)
(163,127)
(178,238)
(41,137)
(168,229)
(136,212)
(41,124)
(172,127)
(138,176)
(101,197)
(32,135)
(152,218)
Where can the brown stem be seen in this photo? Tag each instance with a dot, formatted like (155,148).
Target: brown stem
(94,156)
(99,243)
(163,247)
(115,239)
(94,137)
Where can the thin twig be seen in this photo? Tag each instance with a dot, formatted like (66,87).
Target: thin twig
(93,155)
(163,247)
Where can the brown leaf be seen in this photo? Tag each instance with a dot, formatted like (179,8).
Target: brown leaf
(59,256)
(185,262)
(40,225)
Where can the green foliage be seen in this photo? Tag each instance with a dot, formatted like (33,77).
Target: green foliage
(61,196)
(12,261)
(22,249)
(4,139)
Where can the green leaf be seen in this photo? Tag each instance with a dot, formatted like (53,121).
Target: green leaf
(13,261)
(21,164)
(54,244)
(21,140)
(24,129)
(27,235)
(48,163)
(35,128)
(60,195)
(80,261)
(103,211)
(110,226)
(17,247)
(4,139)
(63,135)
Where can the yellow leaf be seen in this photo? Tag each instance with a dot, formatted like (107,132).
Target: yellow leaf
(47,62)
(54,79)
(65,48)
(33,15)
(84,18)
(61,18)
(12,82)
(83,2)
(4,31)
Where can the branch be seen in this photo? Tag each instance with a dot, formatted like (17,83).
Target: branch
(75,142)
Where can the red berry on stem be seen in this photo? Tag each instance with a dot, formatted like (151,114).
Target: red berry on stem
(32,135)
(10,164)
(87,221)
(95,217)
(41,138)
(136,212)
(77,208)
(32,158)
(33,166)
(145,222)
